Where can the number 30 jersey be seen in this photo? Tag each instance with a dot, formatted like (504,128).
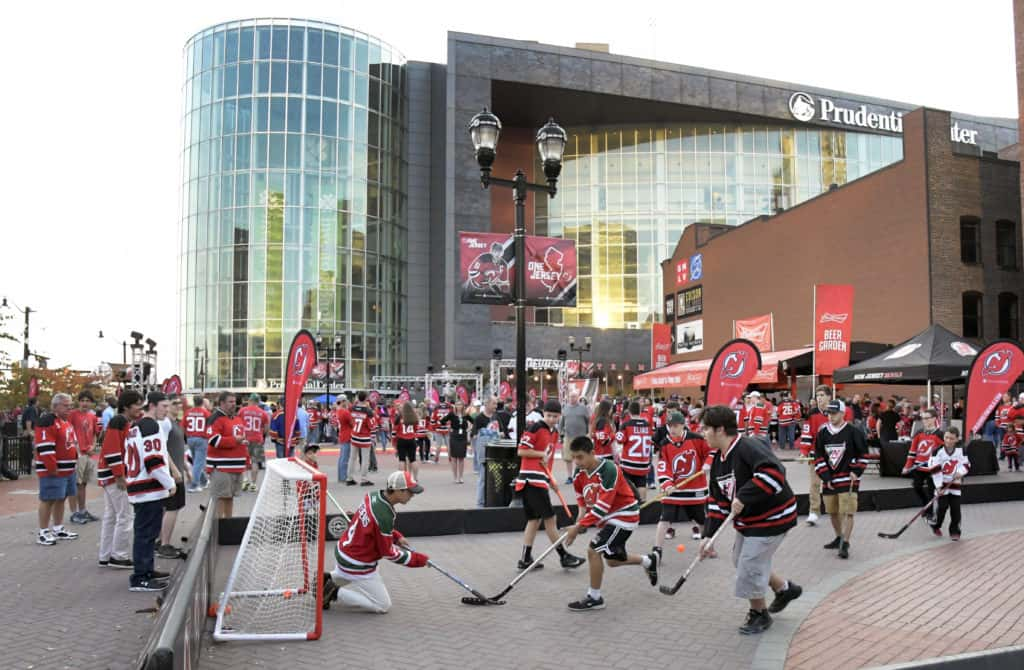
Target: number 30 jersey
(635,438)
(146,471)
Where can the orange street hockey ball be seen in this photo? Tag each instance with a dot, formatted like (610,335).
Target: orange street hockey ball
(681,548)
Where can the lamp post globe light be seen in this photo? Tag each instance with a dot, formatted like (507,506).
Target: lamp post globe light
(484,131)
(579,350)
(331,354)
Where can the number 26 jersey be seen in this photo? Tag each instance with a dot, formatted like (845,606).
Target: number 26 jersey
(635,438)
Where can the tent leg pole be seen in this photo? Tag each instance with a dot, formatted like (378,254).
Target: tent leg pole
(928,401)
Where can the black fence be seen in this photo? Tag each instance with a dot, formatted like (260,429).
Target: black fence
(17,454)
(176,640)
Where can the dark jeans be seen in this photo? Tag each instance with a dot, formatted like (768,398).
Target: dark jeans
(924,487)
(952,503)
(149,516)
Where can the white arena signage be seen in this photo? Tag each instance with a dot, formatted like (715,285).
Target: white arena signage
(804,107)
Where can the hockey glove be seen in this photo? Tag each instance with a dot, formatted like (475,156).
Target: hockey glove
(418,560)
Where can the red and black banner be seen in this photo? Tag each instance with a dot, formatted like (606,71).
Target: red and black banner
(33,387)
(172,385)
(731,370)
(992,373)
(487,270)
(301,359)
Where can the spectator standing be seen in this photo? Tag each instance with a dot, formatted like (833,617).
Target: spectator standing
(176,464)
(486,429)
(504,417)
(109,412)
(362,439)
(839,450)
(603,432)
(228,454)
(56,450)
(924,444)
(149,483)
(458,423)
(256,424)
(423,433)
(30,416)
(575,422)
(344,419)
(302,418)
(816,419)
(195,422)
(85,423)
(116,529)
(789,413)
(315,422)
(405,439)
(949,466)
(888,418)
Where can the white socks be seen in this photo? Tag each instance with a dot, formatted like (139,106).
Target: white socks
(645,561)
(594,593)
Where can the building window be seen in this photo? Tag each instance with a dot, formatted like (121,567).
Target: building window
(1006,245)
(1009,316)
(972,315)
(970,239)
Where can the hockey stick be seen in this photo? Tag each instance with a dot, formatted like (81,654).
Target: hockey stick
(893,536)
(554,485)
(672,489)
(338,505)
(672,590)
(494,600)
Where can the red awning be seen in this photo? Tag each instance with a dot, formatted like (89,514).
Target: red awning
(693,374)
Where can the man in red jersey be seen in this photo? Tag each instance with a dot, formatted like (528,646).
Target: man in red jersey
(56,450)
(758,417)
(606,501)
(814,422)
(256,424)
(789,414)
(364,423)
(195,423)
(343,418)
(228,454)
(86,425)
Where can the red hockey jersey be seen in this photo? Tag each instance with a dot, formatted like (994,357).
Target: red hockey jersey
(194,422)
(56,447)
(789,412)
(370,537)
(111,464)
(539,437)
(228,451)
(636,440)
(604,436)
(606,496)
(921,449)
(757,419)
(680,459)
(809,431)
(254,422)
(364,423)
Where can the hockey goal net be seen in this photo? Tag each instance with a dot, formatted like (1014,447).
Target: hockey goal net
(274,589)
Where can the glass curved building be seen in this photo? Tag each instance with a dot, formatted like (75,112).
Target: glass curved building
(627,192)
(293,200)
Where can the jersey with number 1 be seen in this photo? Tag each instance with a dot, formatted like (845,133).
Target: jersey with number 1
(636,440)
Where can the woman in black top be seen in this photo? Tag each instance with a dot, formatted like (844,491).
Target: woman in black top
(458,439)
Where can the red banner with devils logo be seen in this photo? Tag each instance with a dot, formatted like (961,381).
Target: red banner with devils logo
(833,327)
(462,393)
(403,396)
(504,390)
(172,385)
(661,344)
(487,270)
(758,329)
(992,373)
(731,370)
(33,387)
(301,360)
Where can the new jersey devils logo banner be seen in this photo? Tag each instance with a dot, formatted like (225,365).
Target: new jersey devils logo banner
(731,370)
(301,360)
(403,395)
(462,393)
(172,385)
(487,270)
(33,387)
(504,390)
(661,344)
(992,373)
(759,330)
(833,327)
(550,272)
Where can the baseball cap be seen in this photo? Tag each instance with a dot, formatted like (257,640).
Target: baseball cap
(254,396)
(754,394)
(676,417)
(403,481)
(836,406)
(553,406)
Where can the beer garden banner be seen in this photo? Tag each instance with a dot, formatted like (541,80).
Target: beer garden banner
(833,327)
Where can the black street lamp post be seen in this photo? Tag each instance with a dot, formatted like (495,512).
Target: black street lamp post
(332,354)
(579,351)
(485,129)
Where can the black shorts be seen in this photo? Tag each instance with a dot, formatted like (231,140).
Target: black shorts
(177,501)
(536,502)
(638,481)
(406,450)
(681,513)
(611,542)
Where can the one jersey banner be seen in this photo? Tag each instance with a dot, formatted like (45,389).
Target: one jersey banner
(487,270)
(992,373)
(833,327)
(731,370)
(172,385)
(759,329)
(301,360)
(661,345)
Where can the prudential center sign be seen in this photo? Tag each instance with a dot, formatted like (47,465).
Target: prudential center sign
(804,107)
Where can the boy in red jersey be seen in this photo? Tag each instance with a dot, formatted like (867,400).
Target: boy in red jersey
(682,456)
(606,501)
(925,443)
(635,438)
(86,425)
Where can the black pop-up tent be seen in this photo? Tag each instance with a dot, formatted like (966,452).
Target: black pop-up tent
(934,356)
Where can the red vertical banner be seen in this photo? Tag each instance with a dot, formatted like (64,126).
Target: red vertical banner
(731,370)
(33,387)
(403,396)
(992,373)
(833,327)
(757,329)
(504,390)
(301,359)
(172,385)
(462,393)
(661,345)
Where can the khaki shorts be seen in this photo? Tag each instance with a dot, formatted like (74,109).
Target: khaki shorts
(225,484)
(841,503)
(85,470)
(256,452)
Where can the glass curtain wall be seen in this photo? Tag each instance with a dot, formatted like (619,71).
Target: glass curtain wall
(626,193)
(293,200)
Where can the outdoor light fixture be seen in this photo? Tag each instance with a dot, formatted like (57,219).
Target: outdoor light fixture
(484,130)
(551,143)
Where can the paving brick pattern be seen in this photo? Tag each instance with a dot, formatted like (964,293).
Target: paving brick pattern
(947,600)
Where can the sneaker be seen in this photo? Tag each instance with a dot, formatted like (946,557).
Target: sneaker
(955,537)
(757,622)
(834,544)
(571,560)
(812,519)
(146,584)
(586,604)
(102,563)
(695,533)
(657,550)
(65,534)
(522,565)
(783,598)
(652,486)
(76,517)
(936,531)
(670,533)
(158,574)
(120,563)
(88,516)
(844,550)
(193,489)
(568,480)
(167,551)
(652,571)
(366,482)
(350,482)
(46,538)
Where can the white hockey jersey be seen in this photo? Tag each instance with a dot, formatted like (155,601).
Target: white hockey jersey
(945,465)
(146,471)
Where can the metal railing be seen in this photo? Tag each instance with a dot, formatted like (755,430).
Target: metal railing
(17,454)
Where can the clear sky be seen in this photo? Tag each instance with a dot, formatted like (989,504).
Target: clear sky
(92,102)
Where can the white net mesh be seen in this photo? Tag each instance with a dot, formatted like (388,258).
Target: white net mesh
(274,589)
